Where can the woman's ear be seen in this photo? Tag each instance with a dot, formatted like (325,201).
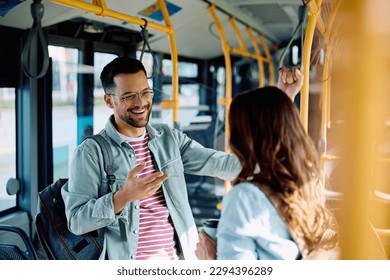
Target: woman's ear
(108,100)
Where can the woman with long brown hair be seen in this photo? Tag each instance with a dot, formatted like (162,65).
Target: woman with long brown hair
(278,190)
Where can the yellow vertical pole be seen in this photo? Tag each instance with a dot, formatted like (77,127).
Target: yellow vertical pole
(228,84)
(330,36)
(364,83)
(271,67)
(244,50)
(175,62)
(326,86)
(314,12)
(237,32)
(258,56)
(325,103)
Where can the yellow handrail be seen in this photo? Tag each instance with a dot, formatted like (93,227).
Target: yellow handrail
(238,34)
(329,38)
(314,12)
(258,55)
(100,8)
(268,59)
(228,84)
(175,64)
(315,7)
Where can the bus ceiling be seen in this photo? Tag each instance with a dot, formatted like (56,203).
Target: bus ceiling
(275,20)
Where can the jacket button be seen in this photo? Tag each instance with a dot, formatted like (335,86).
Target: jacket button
(132,257)
(131,155)
(136,207)
(135,231)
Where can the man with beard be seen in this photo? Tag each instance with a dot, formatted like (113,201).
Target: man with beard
(146,213)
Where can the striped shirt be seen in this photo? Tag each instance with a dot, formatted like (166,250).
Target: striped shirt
(156,232)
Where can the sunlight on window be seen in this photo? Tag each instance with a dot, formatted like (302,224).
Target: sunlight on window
(65,70)
(7,145)
(100,111)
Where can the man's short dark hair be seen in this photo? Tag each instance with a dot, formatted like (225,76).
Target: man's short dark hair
(119,65)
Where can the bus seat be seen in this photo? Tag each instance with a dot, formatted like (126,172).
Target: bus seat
(12,250)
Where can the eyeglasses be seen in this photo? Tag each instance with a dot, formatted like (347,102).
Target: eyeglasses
(132,96)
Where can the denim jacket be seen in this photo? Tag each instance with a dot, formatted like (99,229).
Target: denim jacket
(251,228)
(89,201)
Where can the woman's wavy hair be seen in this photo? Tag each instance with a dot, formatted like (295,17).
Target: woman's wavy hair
(275,151)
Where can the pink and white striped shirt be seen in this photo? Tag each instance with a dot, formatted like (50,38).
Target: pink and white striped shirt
(156,231)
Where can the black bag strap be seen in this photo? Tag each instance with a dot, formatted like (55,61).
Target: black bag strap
(107,157)
(109,167)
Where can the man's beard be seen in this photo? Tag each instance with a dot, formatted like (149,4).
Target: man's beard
(135,122)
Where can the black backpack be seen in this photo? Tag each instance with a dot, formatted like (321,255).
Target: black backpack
(51,224)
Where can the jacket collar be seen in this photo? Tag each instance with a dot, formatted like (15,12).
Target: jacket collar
(153,132)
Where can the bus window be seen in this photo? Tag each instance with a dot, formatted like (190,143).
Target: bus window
(147,60)
(100,111)
(65,69)
(189,91)
(188,69)
(221,80)
(189,96)
(7,145)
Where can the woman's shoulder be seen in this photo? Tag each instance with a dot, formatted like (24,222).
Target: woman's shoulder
(247,190)
(246,187)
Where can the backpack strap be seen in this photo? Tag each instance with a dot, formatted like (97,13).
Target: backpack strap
(107,157)
(109,168)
